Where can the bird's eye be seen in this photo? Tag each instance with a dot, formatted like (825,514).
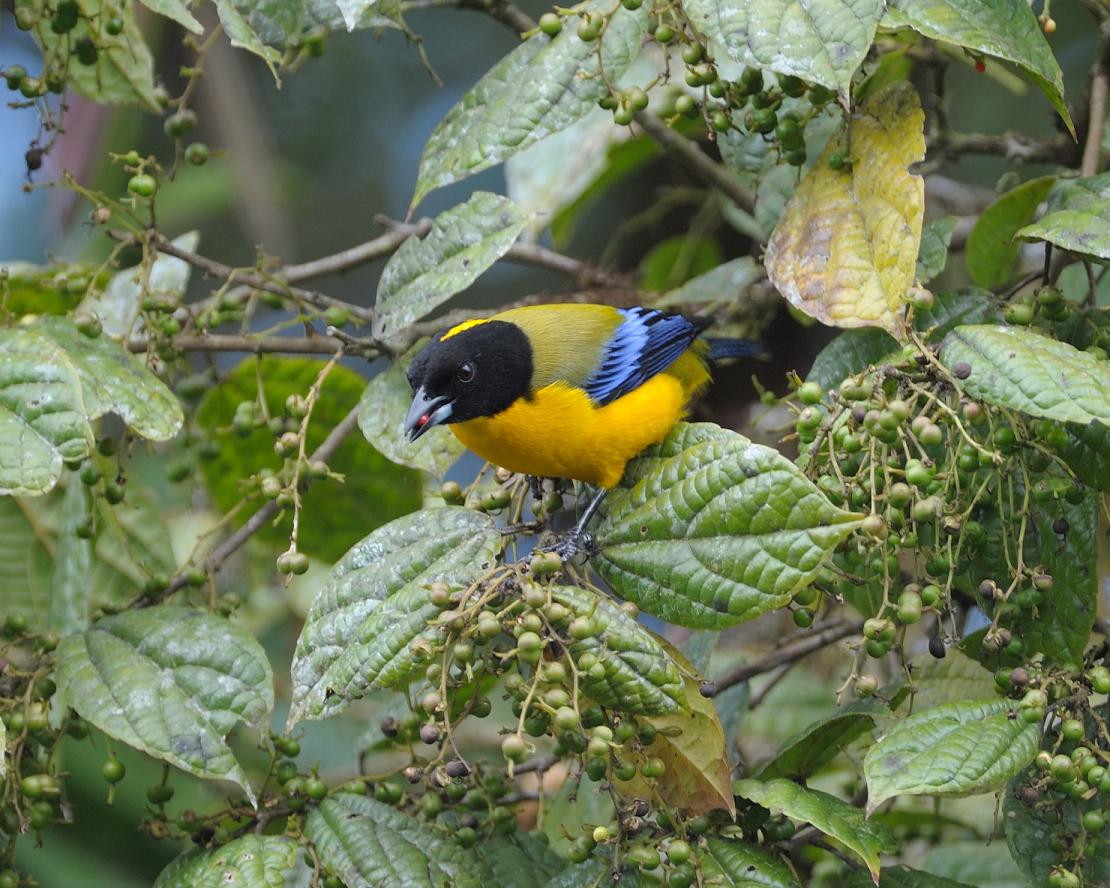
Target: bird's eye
(465,373)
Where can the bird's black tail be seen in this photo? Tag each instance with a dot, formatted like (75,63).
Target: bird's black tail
(724,349)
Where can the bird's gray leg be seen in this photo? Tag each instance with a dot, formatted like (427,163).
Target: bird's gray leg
(578,539)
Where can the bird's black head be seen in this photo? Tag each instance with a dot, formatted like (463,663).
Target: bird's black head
(479,371)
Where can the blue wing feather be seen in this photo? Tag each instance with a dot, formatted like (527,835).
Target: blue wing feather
(647,342)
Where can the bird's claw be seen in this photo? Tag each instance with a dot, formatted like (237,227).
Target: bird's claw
(573,543)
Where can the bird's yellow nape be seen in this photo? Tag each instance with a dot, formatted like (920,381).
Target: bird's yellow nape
(465,325)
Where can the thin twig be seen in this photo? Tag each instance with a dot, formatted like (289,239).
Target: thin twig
(216,342)
(698,161)
(586,273)
(257,281)
(799,647)
(501,11)
(345,260)
(259,519)
(1012,146)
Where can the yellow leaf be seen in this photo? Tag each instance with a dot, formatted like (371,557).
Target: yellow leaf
(691,744)
(845,249)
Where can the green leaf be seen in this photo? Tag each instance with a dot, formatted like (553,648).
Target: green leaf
(708,529)
(736,865)
(426,272)
(118,306)
(974,864)
(53,382)
(903,877)
(594,874)
(115,381)
(540,88)
(27,548)
(132,543)
(242,34)
(956,677)
(1078,219)
(691,744)
(954,308)
(932,254)
(726,283)
(358,633)
(247,862)
(823,41)
(171,682)
(808,752)
(70,588)
(540,179)
(1088,453)
(123,72)
(382,413)
(955,749)
(333,516)
(1018,368)
(1004,29)
(676,260)
(177,10)
(1061,626)
(520,860)
(367,843)
(36,375)
(640,677)
(1034,835)
(36,289)
(833,817)
(853,351)
(991,250)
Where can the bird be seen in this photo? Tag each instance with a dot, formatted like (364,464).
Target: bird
(564,390)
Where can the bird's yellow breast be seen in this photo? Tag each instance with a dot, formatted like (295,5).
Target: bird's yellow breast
(560,433)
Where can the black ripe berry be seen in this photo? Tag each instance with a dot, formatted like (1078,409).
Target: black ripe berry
(962,369)
(1060,526)
(33,158)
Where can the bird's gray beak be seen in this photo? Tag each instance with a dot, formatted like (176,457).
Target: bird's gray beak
(425,412)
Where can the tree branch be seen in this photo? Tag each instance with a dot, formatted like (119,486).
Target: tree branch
(1096,118)
(214,342)
(1012,146)
(256,281)
(502,11)
(795,649)
(228,547)
(586,273)
(345,260)
(697,160)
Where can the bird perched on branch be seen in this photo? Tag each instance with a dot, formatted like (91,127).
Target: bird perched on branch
(564,391)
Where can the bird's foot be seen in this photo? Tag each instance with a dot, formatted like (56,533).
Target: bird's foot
(573,543)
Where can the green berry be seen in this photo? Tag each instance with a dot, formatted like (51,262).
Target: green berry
(112,770)
(197,154)
(85,51)
(664,34)
(551,23)
(514,748)
(142,185)
(653,768)
(1094,821)
(292,563)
